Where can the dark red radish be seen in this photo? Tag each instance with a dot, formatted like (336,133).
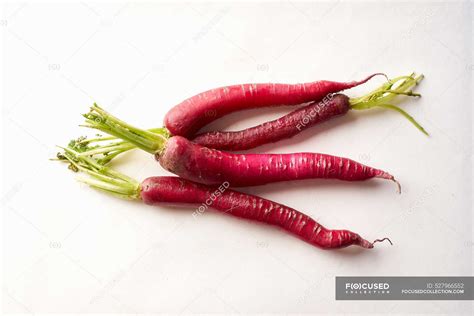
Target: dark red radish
(192,114)
(210,166)
(158,190)
(281,128)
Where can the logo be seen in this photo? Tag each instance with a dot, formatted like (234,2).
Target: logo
(367,288)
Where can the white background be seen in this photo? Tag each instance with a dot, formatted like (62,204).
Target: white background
(68,248)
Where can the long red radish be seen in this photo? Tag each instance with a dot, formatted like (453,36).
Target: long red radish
(293,123)
(210,166)
(158,190)
(189,116)
(281,128)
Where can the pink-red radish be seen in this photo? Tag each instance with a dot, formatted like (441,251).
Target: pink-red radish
(209,166)
(158,190)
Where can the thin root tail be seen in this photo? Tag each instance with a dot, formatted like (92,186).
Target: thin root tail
(399,187)
(374,75)
(388,176)
(383,239)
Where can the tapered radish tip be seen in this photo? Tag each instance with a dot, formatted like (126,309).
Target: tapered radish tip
(382,74)
(388,176)
(365,243)
(374,75)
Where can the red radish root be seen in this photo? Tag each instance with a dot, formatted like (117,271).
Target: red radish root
(157,190)
(210,166)
(273,131)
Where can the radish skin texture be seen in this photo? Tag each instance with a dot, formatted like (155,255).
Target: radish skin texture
(210,166)
(284,127)
(186,118)
(157,190)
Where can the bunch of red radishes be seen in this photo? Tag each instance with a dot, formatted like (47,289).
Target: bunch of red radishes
(206,171)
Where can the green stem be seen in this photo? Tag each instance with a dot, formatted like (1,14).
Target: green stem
(405,114)
(115,146)
(86,141)
(381,97)
(101,177)
(110,156)
(107,148)
(100,119)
